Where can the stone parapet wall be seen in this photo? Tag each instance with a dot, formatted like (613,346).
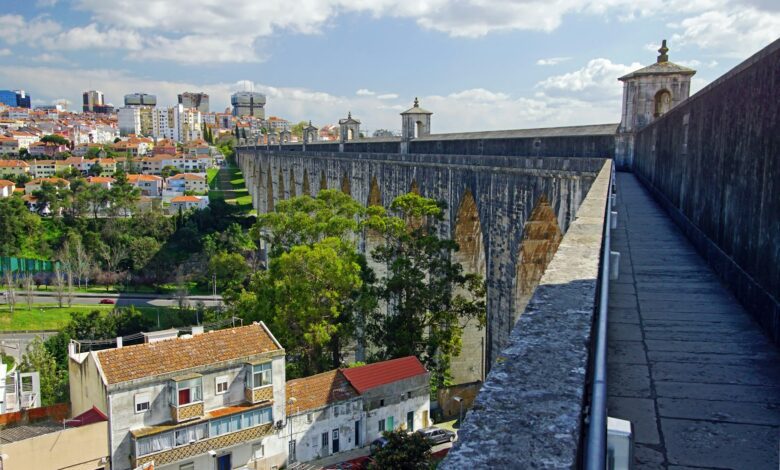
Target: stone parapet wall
(529,411)
(713,162)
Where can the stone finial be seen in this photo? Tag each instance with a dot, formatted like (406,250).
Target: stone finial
(309,122)
(349,115)
(416,102)
(662,52)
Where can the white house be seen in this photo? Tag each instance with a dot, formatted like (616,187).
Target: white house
(188,202)
(187,182)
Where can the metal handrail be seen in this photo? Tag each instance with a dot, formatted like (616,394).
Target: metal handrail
(596,447)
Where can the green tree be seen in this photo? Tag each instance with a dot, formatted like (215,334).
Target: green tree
(95,170)
(55,139)
(142,250)
(231,270)
(403,451)
(306,296)
(297,129)
(54,382)
(426,316)
(18,226)
(52,197)
(123,195)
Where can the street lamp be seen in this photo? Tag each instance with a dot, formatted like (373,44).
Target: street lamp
(290,448)
(460,402)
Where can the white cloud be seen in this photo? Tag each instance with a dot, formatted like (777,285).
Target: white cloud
(93,37)
(735,33)
(5,52)
(552,60)
(200,49)
(387,96)
(365,92)
(49,58)
(596,80)
(15,29)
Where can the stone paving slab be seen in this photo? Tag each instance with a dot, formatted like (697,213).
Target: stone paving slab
(693,371)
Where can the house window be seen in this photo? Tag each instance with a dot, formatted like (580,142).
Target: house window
(261,375)
(309,418)
(381,425)
(408,395)
(382,402)
(188,391)
(141,402)
(258,451)
(222,384)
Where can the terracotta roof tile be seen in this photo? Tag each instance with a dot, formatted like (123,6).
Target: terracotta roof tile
(180,354)
(318,390)
(185,199)
(364,378)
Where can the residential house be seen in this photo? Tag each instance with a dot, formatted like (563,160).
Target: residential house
(7,188)
(187,182)
(201,401)
(23,138)
(42,168)
(150,185)
(40,438)
(188,202)
(8,145)
(104,181)
(81,150)
(46,149)
(109,166)
(14,167)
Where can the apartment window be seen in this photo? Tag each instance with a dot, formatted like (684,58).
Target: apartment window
(187,466)
(188,391)
(258,451)
(142,402)
(261,375)
(190,434)
(222,384)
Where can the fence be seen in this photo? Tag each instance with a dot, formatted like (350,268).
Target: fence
(26,265)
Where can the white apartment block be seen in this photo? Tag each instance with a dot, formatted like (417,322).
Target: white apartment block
(129,119)
(178,123)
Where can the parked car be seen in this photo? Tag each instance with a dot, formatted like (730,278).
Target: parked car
(437,435)
(378,444)
(107,302)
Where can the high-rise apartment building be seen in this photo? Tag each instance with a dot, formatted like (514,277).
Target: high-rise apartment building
(248,103)
(199,101)
(177,123)
(140,99)
(15,98)
(92,102)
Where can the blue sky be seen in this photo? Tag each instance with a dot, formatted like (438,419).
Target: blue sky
(477,64)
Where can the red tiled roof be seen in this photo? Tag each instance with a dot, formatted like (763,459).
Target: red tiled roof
(317,391)
(181,354)
(4,183)
(92,415)
(188,176)
(186,199)
(364,378)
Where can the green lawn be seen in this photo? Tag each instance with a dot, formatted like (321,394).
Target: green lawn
(211,175)
(120,289)
(51,317)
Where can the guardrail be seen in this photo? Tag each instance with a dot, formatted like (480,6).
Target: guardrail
(596,445)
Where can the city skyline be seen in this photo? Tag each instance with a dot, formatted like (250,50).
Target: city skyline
(509,66)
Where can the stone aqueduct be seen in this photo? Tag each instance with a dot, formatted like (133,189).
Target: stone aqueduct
(506,213)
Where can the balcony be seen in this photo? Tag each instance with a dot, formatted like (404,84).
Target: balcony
(187,398)
(259,386)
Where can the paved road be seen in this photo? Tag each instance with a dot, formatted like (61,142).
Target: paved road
(139,300)
(687,364)
(15,344)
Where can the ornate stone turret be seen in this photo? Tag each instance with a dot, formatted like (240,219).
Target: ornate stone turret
(648,93)
(415,122)
(310,134)
(349,128)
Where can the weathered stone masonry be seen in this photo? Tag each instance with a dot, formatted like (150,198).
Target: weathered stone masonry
(506,191)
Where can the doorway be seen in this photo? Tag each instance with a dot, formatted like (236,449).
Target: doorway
(357,433)
(410,421)
(224,462)
(335,441)
(324,440)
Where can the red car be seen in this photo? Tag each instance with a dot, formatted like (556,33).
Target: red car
(107,302)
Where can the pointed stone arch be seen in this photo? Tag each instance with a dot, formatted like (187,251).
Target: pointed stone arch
(323,181)
(541,237)
(281,184)
(346,186)
(292,183)
(374,194)
(306,188)
(469,365)
(269,190)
